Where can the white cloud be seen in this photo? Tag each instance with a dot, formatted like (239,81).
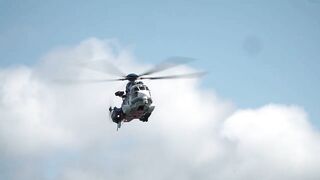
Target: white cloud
(56,131)
(276,140)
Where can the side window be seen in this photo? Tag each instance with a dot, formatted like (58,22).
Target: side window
(134,92)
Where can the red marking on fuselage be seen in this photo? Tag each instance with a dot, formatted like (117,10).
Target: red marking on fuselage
(133,115)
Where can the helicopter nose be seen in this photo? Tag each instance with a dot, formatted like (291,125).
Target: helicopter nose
(145,100)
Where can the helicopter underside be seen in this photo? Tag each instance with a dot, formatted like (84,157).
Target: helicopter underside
(142,113)
(133,115)
(138,114)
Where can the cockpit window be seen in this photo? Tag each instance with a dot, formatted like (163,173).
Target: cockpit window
(142,88)
(135,89)
(147,88)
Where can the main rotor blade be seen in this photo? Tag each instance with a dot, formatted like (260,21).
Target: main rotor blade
(191,75)
(168,63)
(87,81)
(103,67)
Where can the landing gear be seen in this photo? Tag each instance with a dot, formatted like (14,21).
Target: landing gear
(145,117)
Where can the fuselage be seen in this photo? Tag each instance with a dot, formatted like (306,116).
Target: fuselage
(137,102)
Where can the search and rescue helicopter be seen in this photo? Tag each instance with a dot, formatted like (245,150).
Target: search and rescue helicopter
(136,99)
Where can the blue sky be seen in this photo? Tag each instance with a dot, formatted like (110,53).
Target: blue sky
(257,52)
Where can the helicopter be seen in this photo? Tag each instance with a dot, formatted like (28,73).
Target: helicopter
(136,99)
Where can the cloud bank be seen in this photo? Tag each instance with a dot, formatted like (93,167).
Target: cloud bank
(50,130)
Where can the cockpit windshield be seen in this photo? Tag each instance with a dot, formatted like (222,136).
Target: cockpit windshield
(143,87)
(138,88)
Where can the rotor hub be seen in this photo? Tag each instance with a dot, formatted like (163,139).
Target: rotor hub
(132,77)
